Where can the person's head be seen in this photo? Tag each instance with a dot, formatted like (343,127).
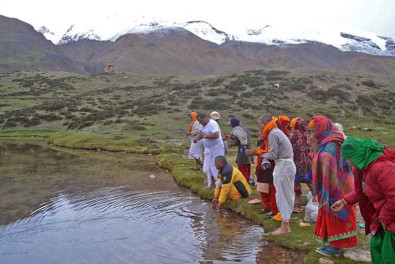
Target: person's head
(220,162)
(193,116)
(234,122)
(282,123)
(361,152)
(203,118)
(264,119)
(293,123)
(321,124)
(340,127)
(312,127)
(215,116)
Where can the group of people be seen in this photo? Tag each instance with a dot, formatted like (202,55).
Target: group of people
(340,171)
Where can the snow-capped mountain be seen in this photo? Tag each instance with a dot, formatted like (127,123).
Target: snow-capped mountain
(206,31)
(201,29)
(73,34)
(345,39)
(355,41)
(48,34)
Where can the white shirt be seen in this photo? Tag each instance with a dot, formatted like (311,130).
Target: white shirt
(210,128)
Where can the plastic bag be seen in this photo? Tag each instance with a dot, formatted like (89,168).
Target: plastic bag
(311,210)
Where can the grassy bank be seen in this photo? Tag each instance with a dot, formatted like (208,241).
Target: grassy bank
(80,140)
(172,157)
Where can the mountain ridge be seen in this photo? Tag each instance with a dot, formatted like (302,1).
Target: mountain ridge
(344,40)
(173,50)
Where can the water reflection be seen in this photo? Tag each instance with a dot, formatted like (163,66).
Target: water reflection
(60,207)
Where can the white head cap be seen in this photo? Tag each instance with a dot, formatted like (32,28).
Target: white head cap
(215,115)
(340,127)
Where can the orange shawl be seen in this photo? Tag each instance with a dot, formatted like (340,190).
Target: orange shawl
(193,119)
(266,131)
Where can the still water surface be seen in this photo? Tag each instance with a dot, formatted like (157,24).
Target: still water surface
(62,206)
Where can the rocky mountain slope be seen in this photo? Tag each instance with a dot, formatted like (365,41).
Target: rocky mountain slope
(23,48)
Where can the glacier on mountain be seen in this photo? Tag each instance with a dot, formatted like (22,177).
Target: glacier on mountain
(344,40)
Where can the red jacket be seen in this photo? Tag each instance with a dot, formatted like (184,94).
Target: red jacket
(376,182)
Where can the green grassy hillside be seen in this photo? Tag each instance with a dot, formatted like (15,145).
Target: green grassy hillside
(157,107)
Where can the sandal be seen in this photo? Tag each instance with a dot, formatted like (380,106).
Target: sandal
(277,217)
(297,209)
(329,251)
(263,211)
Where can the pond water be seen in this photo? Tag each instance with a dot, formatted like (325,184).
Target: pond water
(63,206)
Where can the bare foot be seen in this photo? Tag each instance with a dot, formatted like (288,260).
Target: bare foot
(280,231)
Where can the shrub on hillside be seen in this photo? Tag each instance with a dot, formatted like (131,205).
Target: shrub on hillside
(10,124)
(317,95)
(213,93)
(364,100)
(336,92)
(370,83)
(32,122)
(248,116)
(217,82)
(48,117)
(85,124)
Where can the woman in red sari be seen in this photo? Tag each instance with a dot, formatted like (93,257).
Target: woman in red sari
(332,180)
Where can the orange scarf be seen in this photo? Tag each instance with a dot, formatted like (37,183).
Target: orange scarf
(266,131)
(193,119)
(293,122)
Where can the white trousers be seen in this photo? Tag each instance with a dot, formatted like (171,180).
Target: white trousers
(209,161)
(196,150)
(284,180)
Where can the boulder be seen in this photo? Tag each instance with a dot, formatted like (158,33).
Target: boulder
(358,255)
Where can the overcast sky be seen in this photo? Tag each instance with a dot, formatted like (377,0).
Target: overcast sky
(376,16)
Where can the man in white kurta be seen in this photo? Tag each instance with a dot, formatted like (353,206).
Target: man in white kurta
(210,133)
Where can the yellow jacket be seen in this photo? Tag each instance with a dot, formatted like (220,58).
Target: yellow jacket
(233,184)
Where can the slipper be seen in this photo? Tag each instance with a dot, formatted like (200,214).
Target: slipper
(297,210)
(329,251)
(254,201)
(277,217)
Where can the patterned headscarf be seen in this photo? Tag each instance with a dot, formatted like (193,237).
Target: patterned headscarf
(324,127)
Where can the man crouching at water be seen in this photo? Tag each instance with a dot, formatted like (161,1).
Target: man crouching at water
(230,183)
